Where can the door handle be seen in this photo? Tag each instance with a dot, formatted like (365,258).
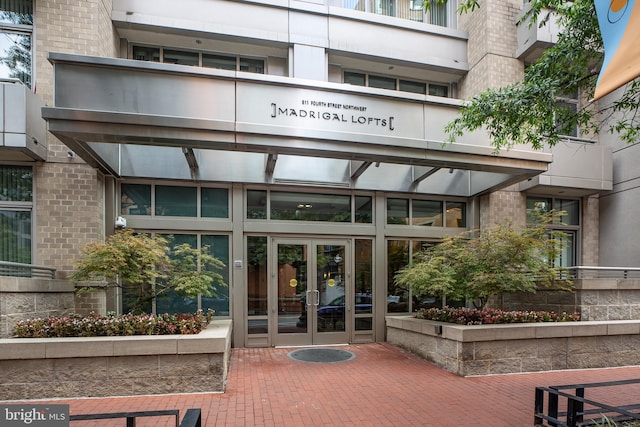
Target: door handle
(317,292)
(309,303)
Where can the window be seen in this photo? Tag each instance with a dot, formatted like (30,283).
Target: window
(257,285)
(168,200)
(430,213)
(171,302)
(384,82)
(568,224)
(180,57)
(214,203)
(144,53)
(310,207)
(438,14)
(16,29)
(193,58)
(176,201)
(426,213)
(568,107)
(16,205)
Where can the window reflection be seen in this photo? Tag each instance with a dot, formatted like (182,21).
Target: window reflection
(15,40)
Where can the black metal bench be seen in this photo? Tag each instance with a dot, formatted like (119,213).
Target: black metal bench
(576,414)
(192,418)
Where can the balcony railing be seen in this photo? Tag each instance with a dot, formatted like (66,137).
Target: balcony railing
(411,10)
(593,272)
(16,269)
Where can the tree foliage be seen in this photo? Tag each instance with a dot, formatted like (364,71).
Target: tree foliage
(485,263)
(150,267)
(527,112)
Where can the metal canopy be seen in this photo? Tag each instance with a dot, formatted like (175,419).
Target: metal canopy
(161,121)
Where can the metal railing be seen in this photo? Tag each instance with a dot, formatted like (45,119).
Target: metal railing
(580,411)
(411,10)
(17,269)
(192,418)
(594,272)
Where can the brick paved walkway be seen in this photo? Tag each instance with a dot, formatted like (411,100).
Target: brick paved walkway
(382,386)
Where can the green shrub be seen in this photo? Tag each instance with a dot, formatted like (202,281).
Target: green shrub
(468,316)
(112,325)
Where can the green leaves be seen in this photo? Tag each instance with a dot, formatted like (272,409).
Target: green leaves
(495,260)
(529,113)
(147,264)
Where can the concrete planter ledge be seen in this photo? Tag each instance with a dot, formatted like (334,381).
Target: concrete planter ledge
(516,348)
(37,368)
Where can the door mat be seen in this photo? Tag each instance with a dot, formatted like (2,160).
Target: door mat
(321,355)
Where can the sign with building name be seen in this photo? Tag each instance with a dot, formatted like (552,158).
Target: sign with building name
(298,111)
(332,112)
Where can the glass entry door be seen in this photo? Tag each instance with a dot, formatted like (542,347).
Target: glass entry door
(311,281)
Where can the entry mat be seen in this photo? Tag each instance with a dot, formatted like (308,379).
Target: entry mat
(321,355)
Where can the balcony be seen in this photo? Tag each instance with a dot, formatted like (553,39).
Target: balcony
(535,37)
(411,10)
(580,167)
(23,132)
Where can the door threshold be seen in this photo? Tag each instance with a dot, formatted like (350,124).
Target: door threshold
(310,345)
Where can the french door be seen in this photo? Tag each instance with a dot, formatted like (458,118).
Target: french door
(313,293)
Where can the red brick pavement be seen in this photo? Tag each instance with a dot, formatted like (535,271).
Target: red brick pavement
(382,386)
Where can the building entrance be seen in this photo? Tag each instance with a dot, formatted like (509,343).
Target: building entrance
(313,289)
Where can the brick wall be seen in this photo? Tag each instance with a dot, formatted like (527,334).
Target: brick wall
(491,47)
(69,194)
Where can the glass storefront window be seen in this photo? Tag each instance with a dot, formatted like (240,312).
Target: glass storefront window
(363,285)
(135,199)
(397,259)
(171,302)
(398,211)
(256,204)
(176,201)
(426,213)
(310,207)
(214,203)
(364,209)
(16,17)
(218,246)
(257,278)
(456,214)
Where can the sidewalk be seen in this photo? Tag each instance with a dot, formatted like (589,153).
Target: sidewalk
(382,386)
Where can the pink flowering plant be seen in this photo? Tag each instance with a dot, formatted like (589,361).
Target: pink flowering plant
(474,316)
(113,325)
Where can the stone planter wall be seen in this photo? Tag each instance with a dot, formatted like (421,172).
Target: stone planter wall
(28,298)
(34,368)
(595,299)
(517,348)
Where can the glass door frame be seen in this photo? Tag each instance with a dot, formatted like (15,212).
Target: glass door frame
(312,336)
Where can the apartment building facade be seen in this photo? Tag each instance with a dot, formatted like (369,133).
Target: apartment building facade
(301,141)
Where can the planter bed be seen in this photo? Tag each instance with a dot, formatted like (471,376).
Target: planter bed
(517,348)
(39,368)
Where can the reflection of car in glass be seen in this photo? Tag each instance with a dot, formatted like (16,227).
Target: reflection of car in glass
(334,311)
